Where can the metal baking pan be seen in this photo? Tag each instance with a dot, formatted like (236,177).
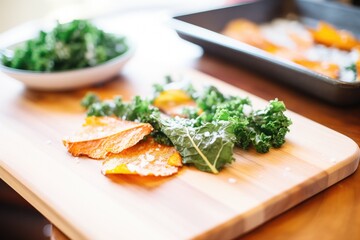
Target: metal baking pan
(203,28)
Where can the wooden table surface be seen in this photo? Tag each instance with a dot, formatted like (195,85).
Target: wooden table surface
(331,214)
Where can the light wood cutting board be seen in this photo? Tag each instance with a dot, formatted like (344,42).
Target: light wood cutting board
(84,204)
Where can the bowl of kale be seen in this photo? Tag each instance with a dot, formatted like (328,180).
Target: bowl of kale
(69,56)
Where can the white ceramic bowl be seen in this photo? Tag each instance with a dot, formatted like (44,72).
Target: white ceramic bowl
(71,79)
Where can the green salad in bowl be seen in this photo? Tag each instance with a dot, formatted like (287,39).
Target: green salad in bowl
(71,55)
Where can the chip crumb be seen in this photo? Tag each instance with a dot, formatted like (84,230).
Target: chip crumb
(232,180)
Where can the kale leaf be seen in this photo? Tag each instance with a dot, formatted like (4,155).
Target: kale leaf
(270,126)
(89,99)
(209,147)
(262,129)
(352,68)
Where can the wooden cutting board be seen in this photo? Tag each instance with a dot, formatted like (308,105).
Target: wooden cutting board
(84,204)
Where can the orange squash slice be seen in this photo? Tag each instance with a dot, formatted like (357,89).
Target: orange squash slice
(147,158)
(330,36)
(102,135)
(173,101)
(328,69)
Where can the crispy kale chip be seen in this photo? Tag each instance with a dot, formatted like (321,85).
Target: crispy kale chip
(262,129)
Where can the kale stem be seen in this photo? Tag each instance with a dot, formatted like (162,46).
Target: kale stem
(212,168)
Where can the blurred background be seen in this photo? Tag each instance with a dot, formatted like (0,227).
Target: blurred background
(14,12)
(18,220)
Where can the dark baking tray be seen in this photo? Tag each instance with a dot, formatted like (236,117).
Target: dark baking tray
(203,28)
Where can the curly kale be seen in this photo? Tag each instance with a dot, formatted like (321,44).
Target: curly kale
(74,45)
(271,125)
(262,129)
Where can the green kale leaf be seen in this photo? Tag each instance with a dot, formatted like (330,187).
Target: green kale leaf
(209,147)
(270,126)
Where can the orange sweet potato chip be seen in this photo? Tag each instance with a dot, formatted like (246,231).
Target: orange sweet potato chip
(173,101)
(102,135)
(328,69)
(330,36)
(147,158)
(248,32)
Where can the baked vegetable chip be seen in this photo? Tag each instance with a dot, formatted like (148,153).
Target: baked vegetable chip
(173,101)
(102,135)
(328,69)
(330,36)
(248,32)
(147,158)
